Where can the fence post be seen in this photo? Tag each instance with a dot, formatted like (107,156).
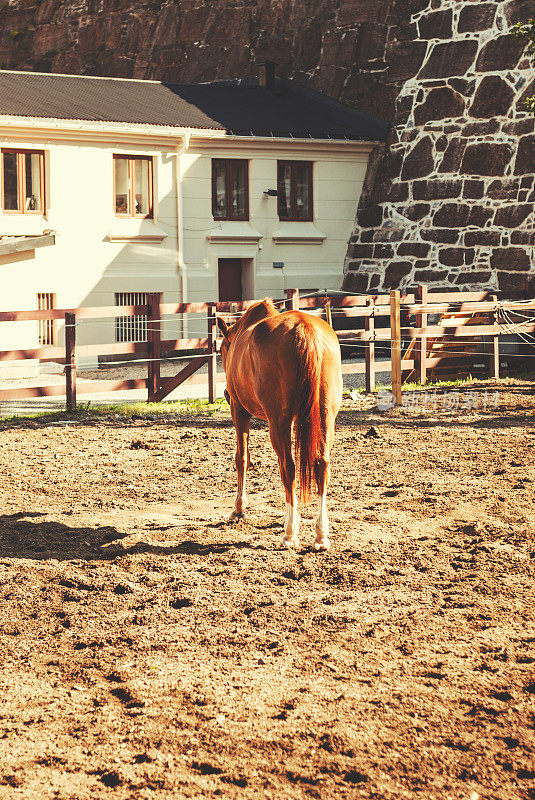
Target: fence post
(395,344)
(495,345)
(369,346)
(212,350)
(292,299)
(154,344)
(421,342)
(70,360)
(328,314)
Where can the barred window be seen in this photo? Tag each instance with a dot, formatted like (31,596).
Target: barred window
(131,329)
(47,327)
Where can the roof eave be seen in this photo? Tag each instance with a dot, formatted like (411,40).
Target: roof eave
(103,127)
(34,127)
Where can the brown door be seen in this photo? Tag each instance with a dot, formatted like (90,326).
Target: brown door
(230,285)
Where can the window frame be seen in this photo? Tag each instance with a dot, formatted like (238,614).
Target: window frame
(21,180)
(229,163)
(293,190)
(132,186)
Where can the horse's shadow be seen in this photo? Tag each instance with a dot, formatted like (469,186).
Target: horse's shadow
(25,536)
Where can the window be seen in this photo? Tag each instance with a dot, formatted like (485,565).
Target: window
(47,327)
(294,190)
(131,329)
(230,189)
(22,180)
(133,186)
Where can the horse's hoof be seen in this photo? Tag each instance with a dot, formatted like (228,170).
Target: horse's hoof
(322,545)
(236,516)
(289,543)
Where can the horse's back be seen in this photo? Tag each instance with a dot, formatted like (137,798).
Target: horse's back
(286,346)
(275,332)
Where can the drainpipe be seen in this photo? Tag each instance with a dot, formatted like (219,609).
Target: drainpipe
(181,264)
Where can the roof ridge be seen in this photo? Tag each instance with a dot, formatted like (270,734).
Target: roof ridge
(71,75)
(236,80)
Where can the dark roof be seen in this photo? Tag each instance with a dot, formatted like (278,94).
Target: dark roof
(240,107)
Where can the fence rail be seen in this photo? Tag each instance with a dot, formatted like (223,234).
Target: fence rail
(465,318)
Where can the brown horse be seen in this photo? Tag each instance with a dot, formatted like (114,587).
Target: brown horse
(285,368)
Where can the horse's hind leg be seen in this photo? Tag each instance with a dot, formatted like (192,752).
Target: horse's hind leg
(322,472)
(241,420)
(281,439)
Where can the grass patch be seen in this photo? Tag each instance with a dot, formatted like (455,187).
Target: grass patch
(193,408)
(417,387)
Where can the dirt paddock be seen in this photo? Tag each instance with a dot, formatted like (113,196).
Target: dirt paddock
(152,650)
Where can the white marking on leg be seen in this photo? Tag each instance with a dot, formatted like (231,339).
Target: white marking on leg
(291,526)
(322,525)
(241,498)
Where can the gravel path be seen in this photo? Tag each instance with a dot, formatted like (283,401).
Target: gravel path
(131,372)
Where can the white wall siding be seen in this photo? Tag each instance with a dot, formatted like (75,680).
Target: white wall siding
(88,265)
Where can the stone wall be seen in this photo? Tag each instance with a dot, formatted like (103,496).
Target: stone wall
(450,201)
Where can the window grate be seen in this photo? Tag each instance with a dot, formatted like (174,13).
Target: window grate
(131,329)
(46,301)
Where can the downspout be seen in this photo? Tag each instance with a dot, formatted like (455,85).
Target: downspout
(181,264)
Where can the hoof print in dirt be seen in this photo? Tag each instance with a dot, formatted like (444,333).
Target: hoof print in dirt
(354,776)
(206,769)
(122,588)
(111,779)
(181,602)
(371,433)
(115,677)
(126,697)
(139,444)
(9,629)
(300,777)
(143,758)
(236,781)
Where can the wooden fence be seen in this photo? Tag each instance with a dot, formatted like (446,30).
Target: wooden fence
(457,311)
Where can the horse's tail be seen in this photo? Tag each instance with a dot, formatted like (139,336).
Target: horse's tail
(308,430)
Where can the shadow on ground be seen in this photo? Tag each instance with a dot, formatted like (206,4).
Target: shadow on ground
(25,536)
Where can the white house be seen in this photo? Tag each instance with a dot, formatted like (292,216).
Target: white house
(111,188)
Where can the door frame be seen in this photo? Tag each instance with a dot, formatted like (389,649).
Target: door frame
(248,259)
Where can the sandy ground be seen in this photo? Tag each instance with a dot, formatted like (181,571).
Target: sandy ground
(150,649)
